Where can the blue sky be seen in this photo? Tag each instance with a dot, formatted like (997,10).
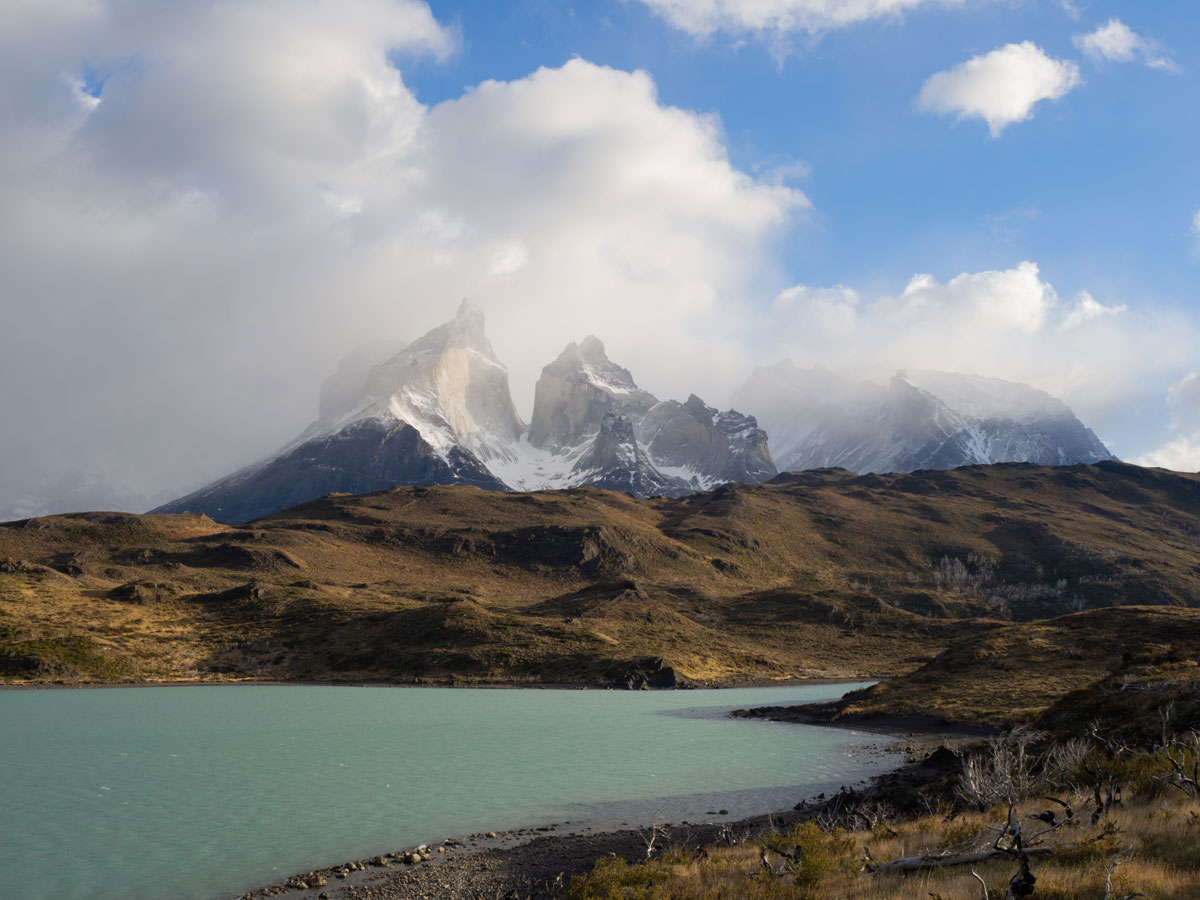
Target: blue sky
(208,204)
(1100,186)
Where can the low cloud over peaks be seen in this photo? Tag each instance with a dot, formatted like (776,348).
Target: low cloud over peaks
(1182,451)
(237,215)
(1101,358)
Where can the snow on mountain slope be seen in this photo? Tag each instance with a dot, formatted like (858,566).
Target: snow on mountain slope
(695,442)
(587,407)
(431,414)
(439,411)
(989,398)
(616,461)
(448,385)
(920,420)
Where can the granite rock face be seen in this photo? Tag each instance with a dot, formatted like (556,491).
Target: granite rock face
(706,445)
(576,392)
(439,411)
(616,461)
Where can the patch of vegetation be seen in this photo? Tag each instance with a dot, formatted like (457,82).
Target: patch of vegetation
(1117,665)
(72,658)
(1030,818)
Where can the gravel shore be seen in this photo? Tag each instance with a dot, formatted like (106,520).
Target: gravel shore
(528,864)
(534,863)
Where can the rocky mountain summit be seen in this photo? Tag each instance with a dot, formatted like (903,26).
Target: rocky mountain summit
(439,411)
(917,420)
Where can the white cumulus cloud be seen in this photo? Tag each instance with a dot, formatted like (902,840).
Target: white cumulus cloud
(1183,397)
(1000,87)
(1181,453)
(777,18)
(1117,42)
(187,258)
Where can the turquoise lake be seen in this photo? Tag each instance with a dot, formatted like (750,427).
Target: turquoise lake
(201,793)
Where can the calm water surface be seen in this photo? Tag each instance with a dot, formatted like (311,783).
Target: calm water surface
(199,793)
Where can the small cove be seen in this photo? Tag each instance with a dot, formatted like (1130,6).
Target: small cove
(201,793)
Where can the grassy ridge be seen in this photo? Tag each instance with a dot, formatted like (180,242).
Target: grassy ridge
(814,574)
(1052,672)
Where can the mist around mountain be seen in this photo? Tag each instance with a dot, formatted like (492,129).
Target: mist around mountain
(916,420)
(439,411)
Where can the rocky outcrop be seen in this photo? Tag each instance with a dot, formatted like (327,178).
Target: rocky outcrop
(616,462)
(696,442)
(596,426)
(576,392)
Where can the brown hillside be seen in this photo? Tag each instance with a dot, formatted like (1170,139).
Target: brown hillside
(814,574)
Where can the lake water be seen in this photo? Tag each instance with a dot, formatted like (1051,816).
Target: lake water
(199,793)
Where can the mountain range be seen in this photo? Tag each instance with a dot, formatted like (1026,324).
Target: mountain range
(439,411)
(917,420)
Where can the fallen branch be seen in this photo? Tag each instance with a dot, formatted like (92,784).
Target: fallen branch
(931,861)
(982,884)
(1121,857)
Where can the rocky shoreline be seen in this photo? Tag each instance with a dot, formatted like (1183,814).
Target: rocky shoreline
(535,863)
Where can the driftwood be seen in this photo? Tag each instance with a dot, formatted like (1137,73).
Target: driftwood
(938,861)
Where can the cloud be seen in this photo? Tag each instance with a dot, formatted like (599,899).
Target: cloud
(1087,308)
(189,251)
(1183,398)
(1000,87)
(1116,42)
(1196,226)
(777,18)
(1102,359)
(199,224)
(1181,453)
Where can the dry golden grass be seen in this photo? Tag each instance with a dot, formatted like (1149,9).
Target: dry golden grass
(1015,674)
(814,575)
(1164,835)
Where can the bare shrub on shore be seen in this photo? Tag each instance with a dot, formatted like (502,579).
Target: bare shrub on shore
(1075,820)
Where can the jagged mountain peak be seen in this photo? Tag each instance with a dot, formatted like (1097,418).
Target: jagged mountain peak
(696,407)
(588,362)
(616,461)
(704,446)
(591,350)
(439,411)
(576,391)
